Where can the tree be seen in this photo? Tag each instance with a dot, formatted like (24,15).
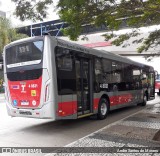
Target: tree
(111,13)
(8,33)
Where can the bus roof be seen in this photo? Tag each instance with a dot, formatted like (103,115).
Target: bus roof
(23,40)
(77,47)
(99,53)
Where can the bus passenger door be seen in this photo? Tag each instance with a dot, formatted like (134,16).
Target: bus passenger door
(84,79)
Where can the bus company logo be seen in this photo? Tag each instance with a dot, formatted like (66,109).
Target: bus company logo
(34,102)
(15,103)
(23,88)
(15,86)
(24,103)
(33,92)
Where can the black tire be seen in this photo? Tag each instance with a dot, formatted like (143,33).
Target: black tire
(145,98)
(103,109)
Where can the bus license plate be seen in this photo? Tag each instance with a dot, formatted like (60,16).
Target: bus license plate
(25,112)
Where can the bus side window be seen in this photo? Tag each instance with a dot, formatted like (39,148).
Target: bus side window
(98,74)
(127,76)
(116,76)
(146,78)
(117,72)
(66,76)
(107,70)
(137,78)
(64,59)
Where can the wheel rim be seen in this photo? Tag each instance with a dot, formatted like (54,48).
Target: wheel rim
(103,109)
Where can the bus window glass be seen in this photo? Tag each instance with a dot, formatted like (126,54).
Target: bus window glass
(136,72)
(106,65)
(146,76)
(24,54)
(98,74)
(117,72)
(107,70)
(98,67)
(64,60)
(66,75)
(136,78)
(125,71)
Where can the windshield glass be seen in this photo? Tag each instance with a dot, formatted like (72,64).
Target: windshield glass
(24,54)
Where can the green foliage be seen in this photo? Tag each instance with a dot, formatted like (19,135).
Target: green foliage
(111,13)
(152,41)
(34,10)
(7,33)
(1,86)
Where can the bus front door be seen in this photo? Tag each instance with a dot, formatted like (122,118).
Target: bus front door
(84,79)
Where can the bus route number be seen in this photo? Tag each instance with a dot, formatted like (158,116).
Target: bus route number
(23,49)
(104,85)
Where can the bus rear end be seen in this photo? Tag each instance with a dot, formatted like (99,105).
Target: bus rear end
(157,84)
(27,79)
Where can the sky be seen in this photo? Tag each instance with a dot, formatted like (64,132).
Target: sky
(9,7)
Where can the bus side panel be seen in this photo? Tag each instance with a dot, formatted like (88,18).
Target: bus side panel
(67,107)
(119,99)
(54,96)
(50,87)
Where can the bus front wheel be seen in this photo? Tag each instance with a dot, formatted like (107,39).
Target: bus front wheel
(103,109)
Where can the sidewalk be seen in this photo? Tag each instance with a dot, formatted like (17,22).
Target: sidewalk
(137,134)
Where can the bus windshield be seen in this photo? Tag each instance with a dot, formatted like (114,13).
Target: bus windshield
(24,54)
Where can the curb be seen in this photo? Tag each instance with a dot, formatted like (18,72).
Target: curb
(108,126)
(134,137)
(103,139)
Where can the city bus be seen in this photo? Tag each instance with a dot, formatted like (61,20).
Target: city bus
(46,77)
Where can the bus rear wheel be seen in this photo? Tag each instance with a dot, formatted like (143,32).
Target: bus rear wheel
(103,109)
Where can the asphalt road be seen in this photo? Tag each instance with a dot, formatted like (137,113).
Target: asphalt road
(28,132)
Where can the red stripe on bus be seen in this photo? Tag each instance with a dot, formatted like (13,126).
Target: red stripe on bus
(70,107)
(120,99)
(67,108)
(96,102)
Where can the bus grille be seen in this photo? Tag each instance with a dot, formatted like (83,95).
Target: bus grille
(24,75)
